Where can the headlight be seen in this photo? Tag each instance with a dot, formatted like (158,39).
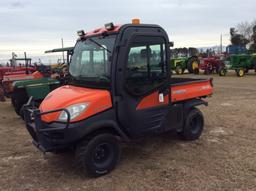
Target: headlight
(74,110)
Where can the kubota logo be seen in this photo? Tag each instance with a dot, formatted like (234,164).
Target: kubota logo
(179,91)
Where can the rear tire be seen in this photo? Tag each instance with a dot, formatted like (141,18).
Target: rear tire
(98,155)
(193,64)
(193,126)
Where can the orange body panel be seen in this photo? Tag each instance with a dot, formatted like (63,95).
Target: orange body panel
(189,91)
(152,100)
(98,100)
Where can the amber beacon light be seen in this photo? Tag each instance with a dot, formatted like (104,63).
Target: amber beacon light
(136,21)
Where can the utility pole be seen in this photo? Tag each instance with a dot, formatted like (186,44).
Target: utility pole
(63,56)
(26,62)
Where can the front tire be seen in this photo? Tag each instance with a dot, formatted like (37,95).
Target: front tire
(240,72)
(196,71)
(207,71)
(178,70)
(99,155)
(222,72)
(193,126)
(17,105)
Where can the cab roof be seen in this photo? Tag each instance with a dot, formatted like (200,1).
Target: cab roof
(103,30)
(117,28)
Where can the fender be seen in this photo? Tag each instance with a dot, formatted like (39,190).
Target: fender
(107,125)
(194,102)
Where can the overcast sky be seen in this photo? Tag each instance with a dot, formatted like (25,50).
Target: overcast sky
(35,26)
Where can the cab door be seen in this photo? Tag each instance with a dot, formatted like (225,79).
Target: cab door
(143,84)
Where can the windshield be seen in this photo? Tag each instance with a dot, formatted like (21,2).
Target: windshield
(91,59)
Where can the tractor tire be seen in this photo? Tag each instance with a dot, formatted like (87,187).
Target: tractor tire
(193,125)
(99,155)
(254,64)
(222,72)
(207,71)
(217,69)
(178,70)
(240,72)
(196,71)
(17,105)
(2,98)
(192,64)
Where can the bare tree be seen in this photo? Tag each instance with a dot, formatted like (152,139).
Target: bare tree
(246,28)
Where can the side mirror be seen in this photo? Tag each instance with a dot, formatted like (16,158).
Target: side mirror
(171,44)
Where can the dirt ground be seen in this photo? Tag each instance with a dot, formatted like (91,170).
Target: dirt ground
(224,158)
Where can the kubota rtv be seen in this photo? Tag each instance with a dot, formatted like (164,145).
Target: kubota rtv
(120,89)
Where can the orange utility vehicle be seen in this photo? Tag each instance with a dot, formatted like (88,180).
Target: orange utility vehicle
(120,89)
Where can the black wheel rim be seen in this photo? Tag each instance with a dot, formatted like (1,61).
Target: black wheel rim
(102,155)
(196,124)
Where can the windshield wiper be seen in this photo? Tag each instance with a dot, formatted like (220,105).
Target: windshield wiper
(99,45)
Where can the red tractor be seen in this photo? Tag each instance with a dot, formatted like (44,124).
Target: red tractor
(213,64)
(14,70)
(13,73)
(41,71)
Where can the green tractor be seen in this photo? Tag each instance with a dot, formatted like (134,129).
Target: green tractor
(180,64)
(38,89)
(242,63)
(241,60)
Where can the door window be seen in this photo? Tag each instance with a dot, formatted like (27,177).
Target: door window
(146,65)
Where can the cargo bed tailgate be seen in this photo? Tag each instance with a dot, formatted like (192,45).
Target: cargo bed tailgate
(191,89)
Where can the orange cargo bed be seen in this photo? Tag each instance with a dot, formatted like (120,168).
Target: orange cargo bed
(189,88)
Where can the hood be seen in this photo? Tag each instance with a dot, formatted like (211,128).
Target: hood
(65,96)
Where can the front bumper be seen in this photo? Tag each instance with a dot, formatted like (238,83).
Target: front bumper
(50,137)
